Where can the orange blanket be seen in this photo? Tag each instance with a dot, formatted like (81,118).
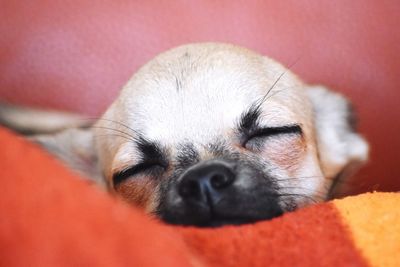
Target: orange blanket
(51,217)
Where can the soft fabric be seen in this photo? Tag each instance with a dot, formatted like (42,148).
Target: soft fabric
(76,55)
(51,217)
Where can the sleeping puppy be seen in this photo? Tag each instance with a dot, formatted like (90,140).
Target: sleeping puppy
(214,134)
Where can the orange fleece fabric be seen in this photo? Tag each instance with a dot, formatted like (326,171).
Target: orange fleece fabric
(51,217)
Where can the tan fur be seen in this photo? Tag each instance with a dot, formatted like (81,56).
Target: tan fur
(286,153)
(140,192)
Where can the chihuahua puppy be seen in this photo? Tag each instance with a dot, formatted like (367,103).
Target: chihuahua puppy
(213,134)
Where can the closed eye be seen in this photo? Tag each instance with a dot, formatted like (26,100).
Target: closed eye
(272,131)
(147,168)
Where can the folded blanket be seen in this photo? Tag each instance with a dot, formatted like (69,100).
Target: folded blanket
(51,217)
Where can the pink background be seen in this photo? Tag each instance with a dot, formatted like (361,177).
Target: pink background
(76,56)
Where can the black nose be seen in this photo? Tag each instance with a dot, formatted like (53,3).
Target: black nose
(204,184)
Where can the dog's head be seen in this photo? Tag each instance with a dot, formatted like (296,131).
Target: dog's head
(211,134)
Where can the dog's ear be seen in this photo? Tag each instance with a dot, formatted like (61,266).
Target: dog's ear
(67,136)
(341,149)
(74,147)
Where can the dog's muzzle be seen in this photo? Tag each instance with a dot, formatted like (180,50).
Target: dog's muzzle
(211,193)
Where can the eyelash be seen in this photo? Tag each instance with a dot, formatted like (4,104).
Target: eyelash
(273,131)
(152,168)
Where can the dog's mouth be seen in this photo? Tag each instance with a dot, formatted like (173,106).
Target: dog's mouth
(211,218)
(223,221)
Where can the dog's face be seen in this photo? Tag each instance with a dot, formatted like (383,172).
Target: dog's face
(213,134)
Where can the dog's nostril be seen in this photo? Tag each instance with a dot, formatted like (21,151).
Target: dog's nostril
(189,188)
(219,181)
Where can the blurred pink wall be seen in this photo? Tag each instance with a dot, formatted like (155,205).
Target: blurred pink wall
(77,55)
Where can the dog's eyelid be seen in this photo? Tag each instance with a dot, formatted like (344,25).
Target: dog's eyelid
(146,166)
(285,129)
(273,131)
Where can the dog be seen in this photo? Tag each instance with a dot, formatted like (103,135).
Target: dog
(212,134)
